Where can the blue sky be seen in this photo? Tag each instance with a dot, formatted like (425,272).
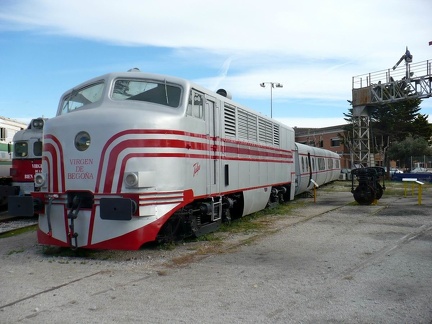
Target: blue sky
(312,47)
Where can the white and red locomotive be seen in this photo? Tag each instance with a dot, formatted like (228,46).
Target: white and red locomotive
(133,157)
(27,156)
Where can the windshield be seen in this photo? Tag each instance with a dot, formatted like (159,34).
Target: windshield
(21,149)
(149,91)
(81,97)
(37,148)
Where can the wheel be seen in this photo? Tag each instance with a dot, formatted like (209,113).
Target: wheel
(364,194)
(379,191)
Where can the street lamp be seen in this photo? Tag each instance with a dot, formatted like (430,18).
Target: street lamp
(272,85)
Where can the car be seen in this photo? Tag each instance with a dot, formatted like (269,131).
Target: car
(394,170)
(346,174)
(419,170)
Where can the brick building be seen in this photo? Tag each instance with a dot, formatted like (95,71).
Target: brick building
(326,137)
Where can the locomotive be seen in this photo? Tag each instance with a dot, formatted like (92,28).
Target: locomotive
(27,157)
(134,157)
(26,162)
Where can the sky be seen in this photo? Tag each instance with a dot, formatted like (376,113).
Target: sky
(313,48)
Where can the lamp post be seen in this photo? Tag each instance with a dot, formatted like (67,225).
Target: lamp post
(272,85)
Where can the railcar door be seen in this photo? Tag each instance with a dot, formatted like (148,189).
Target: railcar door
(213,162)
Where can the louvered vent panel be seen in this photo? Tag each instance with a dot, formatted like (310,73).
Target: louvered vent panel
(242,124)
(230,124)
(252,127)
(276,136)
(265,131)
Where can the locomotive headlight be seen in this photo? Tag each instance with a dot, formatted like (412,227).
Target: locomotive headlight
(139,179)
(131,179)
(38,123)
(39,180)
(82,141)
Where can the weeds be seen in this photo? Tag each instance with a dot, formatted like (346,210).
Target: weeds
(16,251)
(18,231)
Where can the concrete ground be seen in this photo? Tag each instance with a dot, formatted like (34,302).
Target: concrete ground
(329,261)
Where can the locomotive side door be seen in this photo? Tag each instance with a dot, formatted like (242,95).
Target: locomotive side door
(213,162)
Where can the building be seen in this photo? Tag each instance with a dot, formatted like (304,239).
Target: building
(329,138)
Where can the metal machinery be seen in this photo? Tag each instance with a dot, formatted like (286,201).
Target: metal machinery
(368,189)
(382,87)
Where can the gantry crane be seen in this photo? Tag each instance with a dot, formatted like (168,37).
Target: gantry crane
(382,87)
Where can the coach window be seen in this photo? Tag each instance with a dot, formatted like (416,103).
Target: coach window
(20,149)
(321,164)
(195,106)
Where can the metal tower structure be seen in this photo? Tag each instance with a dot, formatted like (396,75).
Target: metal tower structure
(414,81)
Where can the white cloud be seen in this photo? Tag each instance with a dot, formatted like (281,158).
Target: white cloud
(313,47)
(308,28)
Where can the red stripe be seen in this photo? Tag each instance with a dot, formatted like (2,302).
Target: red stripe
(109,182)
(264,154)
(260,146)
(53,173)
(91,224)
(249,151)
(257,160)
(137,132)
(55,162)
(137,143)
(170,143)
(181,133)
(50,178)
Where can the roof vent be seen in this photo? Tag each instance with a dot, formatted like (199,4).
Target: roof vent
(224,93)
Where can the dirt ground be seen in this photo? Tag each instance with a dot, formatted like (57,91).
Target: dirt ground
(329,261)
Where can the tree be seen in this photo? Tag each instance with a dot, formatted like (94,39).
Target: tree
(399,120)
(407,148)
(392,123)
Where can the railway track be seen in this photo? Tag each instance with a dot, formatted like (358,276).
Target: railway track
(9,223)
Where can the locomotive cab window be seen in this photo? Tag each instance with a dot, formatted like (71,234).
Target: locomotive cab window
(82,97)
(195,106)
(20,149)
(37,148)
(149,91)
